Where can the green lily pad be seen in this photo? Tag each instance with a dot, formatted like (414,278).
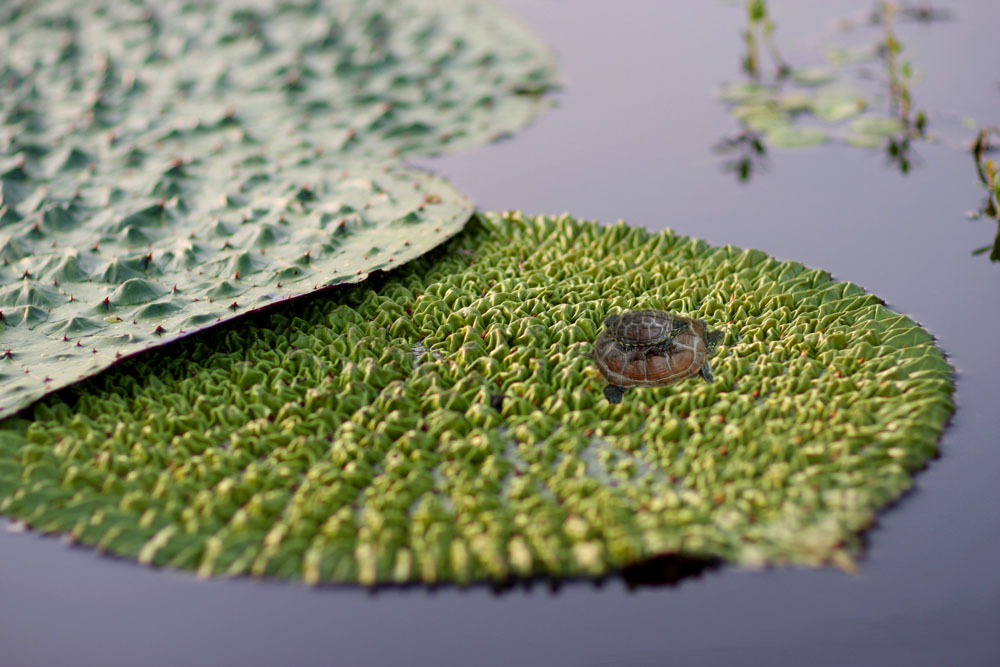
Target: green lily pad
(796,137)
(872,131)
(814,76)
(175,164)
(745,92)
(865,140)
(840,56)
(879,126)
(836,104)
(762,117)
(449,426)
(795,102)
(357,77)
(101,268)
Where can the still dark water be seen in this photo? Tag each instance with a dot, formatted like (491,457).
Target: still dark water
(632,139)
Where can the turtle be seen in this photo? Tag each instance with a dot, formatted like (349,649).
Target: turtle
(645,329)
(651,348)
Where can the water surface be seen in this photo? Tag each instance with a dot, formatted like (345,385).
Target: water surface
(631,138)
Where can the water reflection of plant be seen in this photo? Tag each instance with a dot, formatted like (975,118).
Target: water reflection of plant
(745,153)
(769,107)
(990,180)
(918,13)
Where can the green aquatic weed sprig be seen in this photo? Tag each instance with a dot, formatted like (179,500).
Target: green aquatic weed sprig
(799,107)
(987,171)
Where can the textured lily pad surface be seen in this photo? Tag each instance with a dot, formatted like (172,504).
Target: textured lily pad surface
(165,166)
(100,267)
(356,438)
(358,77)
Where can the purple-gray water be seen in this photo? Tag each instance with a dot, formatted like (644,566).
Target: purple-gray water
(631,138)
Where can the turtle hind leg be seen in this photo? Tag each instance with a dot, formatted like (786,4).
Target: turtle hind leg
(706,372)
(613,394)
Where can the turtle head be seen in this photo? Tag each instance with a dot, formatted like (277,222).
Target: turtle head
(712,339)
(611,321)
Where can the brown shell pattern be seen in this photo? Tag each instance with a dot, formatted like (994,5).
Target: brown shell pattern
(642,367)
(643,327)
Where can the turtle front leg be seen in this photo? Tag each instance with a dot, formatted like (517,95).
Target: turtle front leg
(706,372)
(679,326)
(613,394)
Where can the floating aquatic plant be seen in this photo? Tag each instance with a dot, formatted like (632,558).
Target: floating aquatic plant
(987,171)
(354,77)
(172,165)
(760,32)
(804,107)
(914,12)
(112,268)
(445,422)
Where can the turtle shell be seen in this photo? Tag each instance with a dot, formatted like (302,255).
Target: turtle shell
(647,366)
(641,327)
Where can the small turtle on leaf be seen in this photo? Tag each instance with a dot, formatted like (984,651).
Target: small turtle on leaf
(651,348)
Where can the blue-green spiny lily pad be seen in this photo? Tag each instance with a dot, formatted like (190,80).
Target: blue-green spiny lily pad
(106,269)
(175,164)
(356,77)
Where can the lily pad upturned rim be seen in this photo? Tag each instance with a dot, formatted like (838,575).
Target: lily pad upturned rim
(77,334)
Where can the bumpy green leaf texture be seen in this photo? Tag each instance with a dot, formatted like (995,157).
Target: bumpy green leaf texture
(109,270)
(356,440)
(166,166)
(359,77)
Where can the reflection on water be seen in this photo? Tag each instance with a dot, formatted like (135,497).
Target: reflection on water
(666,571)
(928,592)
(656,572)
(745,153)
(922,12)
